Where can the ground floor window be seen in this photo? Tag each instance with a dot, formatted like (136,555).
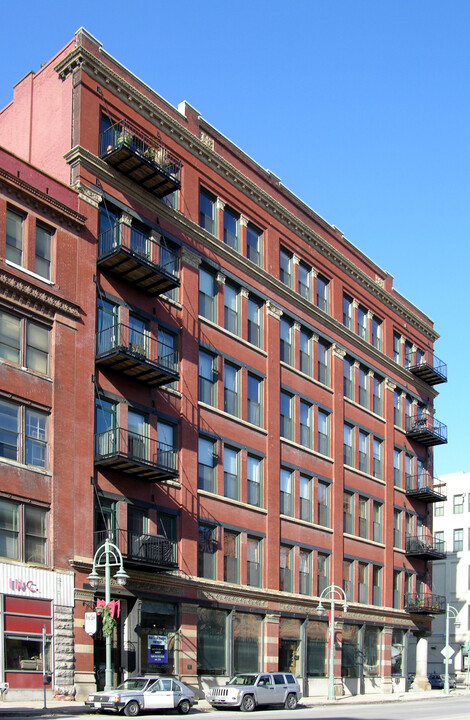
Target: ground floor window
(289,645)
(398,652)
(317,633)
(26,653)
(350,656)
(247,637)
(211,641)
(158,623)
(372,636)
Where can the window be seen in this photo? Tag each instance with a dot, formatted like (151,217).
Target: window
(105,427)
(207,211)
(363,517)
(253,473)
(14,239)
(363,386)
(304,572)
(285,563)
(305,424)
(207,547)
(305,280)
(253,562)
(348,512)
(397,589)
(207,378)
(408,353)
(377,521)
(305,350)
(167,347)
(376,332)
(371,651)
(254,322)
(323,362)
(458,540)
(231,470)
(24,342)
(286,330)
(230,389)
(286,492)
(362,322)
(207,294)
(397,467)
(285,267)
(247,642)
(397,347)
(206,464)
(23,434)
(363,451)
(377,457)
(305,491)
(253,243)
(347,312)
(438,509)
(138,341)
(230,556)
(347,579)
(348,378)
(43,252)
(377,395)
(211,641)
(348,448)
(458,504)
(362,575)
(286,415)
(166,445)
(254,390)
(323,572)
(231,308)
(23,532)
(397,408)
(231,228)
(397,528)
(322,292)
(137,435)
(323,504)
(323,430)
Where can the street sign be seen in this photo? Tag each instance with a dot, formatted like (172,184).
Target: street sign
(90,623)
(447,651)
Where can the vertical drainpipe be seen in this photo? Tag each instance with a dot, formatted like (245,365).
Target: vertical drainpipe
(230,643)
(303,656)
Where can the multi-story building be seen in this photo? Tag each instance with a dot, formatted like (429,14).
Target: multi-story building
(263,400)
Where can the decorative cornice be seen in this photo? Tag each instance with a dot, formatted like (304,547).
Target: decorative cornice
(273,310)
(85,193)
(221,278)
(390,385)
(23,293)
(190,258)
(338,351)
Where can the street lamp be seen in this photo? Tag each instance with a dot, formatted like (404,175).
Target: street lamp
(453,613)
(331,593)
(108,555)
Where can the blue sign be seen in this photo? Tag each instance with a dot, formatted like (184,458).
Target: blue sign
(157,649)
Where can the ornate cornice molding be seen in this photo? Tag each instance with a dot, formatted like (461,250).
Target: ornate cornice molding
(24,294)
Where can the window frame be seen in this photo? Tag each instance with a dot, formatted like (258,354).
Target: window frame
(209,224)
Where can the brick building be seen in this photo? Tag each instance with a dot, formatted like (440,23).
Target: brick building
(263,400)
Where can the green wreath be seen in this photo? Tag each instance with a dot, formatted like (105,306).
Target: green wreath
(108,622)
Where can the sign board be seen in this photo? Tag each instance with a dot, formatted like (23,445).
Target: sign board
(157,649)
(90,623)
(447,651)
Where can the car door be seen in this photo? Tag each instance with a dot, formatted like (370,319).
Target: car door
(265,690)
(152,696)
(163,696)
(280,688)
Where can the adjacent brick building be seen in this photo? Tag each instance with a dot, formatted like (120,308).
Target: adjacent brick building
(263,399)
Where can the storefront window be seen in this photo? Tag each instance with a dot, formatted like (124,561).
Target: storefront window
(371,651)
(289,645)
(398,650)
(211,641)
(246,642)
(350,656)
(26,653)
(158,623)
(317,633)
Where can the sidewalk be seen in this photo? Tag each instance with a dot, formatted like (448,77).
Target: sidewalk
(35,708)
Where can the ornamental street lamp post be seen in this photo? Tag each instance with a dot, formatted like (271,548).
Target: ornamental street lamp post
(331,593)
(108,555)
(451,613)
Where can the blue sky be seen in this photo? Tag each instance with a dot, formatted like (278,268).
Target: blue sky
(361,107)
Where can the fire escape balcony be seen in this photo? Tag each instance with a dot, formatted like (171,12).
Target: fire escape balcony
(427,367)
(426,430)
(426,488)
(149,262)
(137,355)
(145,551)
(426,603)
(425,547)
(135,455)
(141,157)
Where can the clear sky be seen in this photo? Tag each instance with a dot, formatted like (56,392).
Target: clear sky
(361,107)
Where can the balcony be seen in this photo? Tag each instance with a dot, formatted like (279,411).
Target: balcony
(427,367)
(135,455)
(426,488)
(141,157)
(426,430)
(135,354)
(145,551)
(426,603)
(146,261)
(425,547)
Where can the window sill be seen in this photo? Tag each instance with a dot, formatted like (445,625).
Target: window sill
(28,272)
(221,329)
(306,523)
(306,449)
(237,503)
(28,371)
(361,407)
(234,418)
(369,541)
(364,474)
(305,376)
(23,466)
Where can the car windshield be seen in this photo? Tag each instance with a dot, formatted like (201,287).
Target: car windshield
(133,684)
(242,680)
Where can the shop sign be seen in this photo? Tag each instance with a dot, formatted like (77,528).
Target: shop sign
(157,649)
(90,623)
(25,586)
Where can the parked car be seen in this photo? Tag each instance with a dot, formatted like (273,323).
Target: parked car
(436,680)
(248,690)
(138,694)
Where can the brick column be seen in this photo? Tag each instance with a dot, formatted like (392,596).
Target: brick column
(188,643)
(271,642)
(386,660)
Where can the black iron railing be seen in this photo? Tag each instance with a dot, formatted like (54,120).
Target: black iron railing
(137,344)
(425,545)
(155,550)
(140,449)
(425,603)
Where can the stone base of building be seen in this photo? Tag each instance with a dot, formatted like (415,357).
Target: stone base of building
(85,683)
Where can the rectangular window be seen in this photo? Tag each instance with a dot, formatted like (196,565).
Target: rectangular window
(305,350)
(207,378)
(286,415)
(438,509)
(458,504)
(43,252)
(323,362)
(363,386)
(371,651)
(397,467)
(285,567)
(286,492)
(231,470)
(305,489)
(254,322)
(408,353)
(207,211)
(363,577)
(458,540)
(322,285)
(23,532)
(285,267)
(231,557)
(254,392)
(286,330)
(363,517)
(348,446)
(207,294)
(397,347)
(24,342)
(348,512)
(253,474)
(347,579)
(206,464)
(305,281)
(230,389)
(231,308)
(363,451)
(253,244)
(377,394)
(409,480)
(397,541)
(347,312)
(376,332)
(323,432)
(253,554)
(377,521)
(211,641)
(377,457)
(323,572)
(323,504)
(231,228)
(207,547)
(14,238)
(397,408)
(305,424)
(348,378)
(362,322)
(304,573)
(23,434)
(397,589)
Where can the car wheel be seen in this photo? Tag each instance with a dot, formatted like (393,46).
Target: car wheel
(291,702)
(248,703)
(132,708)
(184,707)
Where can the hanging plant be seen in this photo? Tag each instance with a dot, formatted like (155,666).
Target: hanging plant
(108,622)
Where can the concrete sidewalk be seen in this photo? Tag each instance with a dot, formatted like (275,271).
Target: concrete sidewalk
(35,708)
